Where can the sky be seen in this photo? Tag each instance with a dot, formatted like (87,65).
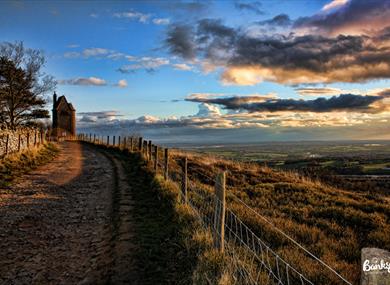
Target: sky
(216,71)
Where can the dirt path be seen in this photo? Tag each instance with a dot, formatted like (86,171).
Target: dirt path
(68,222)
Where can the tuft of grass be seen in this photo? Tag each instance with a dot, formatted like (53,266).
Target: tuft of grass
(17,164)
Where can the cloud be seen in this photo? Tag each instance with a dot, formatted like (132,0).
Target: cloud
(208,110)
(251,6)
(354,17)
(282,20)
(121,83)
(230,102)
(161,21)
(334,4)
(98,52)
(316,91)
(133,15)
(182,66)
(90,52)
(210,118)
(98,117)
(180,41)
(150,64)
(90,81)
(287,59)
(343,102)
(94,15)
(71,54)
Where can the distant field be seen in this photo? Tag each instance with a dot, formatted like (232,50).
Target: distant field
(326,161)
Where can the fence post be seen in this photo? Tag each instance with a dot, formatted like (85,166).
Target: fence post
(18,142)
(119,141)
(113,140)
(155,158)
(28,140)
(166,156)
(35,137)
(184,181)
(108,140)
(131,144)
(6,144)
(124,142)
(150,151)
(145,148)
(94,138)
(219,211)
(140,144)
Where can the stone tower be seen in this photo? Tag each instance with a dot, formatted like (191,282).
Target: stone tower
(64,117)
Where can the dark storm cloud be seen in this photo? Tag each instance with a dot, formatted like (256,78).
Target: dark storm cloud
(214,28)
(343,58)
(309,52)
(354,14)
(343,102)
(180,41)
(281,20)
(250,6)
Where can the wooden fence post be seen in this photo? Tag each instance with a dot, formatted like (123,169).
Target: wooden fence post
(219,211)
(131,144)
(140,144)
(18,142)
(124,142)
(35,137)
(108,140)
(150,151)
(166,157)
(184,181)
(28,140)
(94,138)
(113,140)
(6,144)
(119,141)
(155,158)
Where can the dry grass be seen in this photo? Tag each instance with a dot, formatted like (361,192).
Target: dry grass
(332,223)
(17,164)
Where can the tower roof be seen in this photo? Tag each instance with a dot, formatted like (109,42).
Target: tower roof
(62,100)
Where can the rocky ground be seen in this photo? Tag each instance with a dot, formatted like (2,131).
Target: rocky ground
(68,222)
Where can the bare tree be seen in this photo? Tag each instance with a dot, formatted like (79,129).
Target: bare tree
(23,85)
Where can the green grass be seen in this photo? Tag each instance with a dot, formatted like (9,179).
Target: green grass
(14,165)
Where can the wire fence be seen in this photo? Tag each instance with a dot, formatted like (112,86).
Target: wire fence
(251,259)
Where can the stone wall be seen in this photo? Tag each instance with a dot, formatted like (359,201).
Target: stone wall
(19,140)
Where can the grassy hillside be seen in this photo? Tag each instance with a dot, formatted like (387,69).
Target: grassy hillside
(334,224)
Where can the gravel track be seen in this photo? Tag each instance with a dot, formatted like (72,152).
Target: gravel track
(68,222)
